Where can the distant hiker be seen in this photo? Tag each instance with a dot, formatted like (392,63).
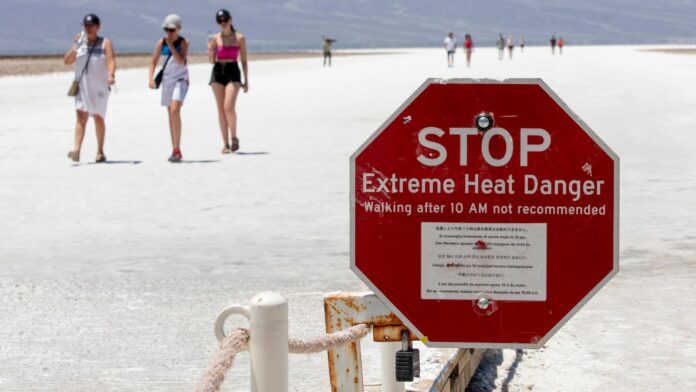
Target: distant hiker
(510,45)
(501,46)
(327,42)
(561,44)
(553,44)
(224,49)
(522,44)
(450,45)
(173,78)
(95,72)
(468,48)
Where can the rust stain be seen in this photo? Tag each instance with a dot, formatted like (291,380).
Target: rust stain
(389,319)
(356,363)
(327,316)
(332,354)
(390,333)
(350,302)
(332,373)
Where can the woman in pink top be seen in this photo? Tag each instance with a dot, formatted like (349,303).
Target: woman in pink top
(224,50)
(561,44)
(468,48)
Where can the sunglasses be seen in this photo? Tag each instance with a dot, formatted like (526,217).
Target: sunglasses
(170,30)
(223,20)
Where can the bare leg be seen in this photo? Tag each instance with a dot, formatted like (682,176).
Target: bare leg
(219,92)
(101,133)
(231,91)
(80,125)
(175,123)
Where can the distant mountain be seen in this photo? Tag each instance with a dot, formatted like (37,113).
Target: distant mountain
(43,26)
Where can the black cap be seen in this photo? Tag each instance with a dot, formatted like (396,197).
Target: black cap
(222,14)
(91,19)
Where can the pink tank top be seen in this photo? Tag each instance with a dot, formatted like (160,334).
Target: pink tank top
(227,53)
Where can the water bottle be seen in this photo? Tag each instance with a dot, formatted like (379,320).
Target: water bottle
(80,41)
(211,39)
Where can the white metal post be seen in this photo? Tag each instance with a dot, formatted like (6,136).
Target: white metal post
(268,343)
(387,352)
(268,339)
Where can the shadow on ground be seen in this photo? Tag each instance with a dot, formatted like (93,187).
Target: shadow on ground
(126,162)
(184,161)
(487,373)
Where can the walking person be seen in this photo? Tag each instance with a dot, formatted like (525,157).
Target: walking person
(95,72)
(510,45)
(173,79)
(501,46)
(224,51)
(561,44)
(522,44)
(553,44)
(450,45)
(326,46)
(468,48)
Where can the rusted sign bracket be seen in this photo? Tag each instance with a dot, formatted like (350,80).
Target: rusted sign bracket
(345,309)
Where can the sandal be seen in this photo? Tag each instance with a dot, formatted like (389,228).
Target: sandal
(235,144)
(101,158)
(226,150)
(74,156)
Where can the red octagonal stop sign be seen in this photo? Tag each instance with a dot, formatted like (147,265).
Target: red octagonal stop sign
(491,235)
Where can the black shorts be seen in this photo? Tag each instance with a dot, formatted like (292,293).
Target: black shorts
(225,73)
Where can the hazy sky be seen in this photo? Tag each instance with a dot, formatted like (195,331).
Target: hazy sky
(43,26)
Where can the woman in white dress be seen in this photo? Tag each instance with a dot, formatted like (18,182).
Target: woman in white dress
(95,69)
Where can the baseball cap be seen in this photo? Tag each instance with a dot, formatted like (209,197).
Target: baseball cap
(91,19)
(172,21)
(222,14)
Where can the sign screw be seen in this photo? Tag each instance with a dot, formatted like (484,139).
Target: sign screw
(483,303)
(484,121)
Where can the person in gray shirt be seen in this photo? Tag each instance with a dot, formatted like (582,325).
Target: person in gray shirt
(327,49)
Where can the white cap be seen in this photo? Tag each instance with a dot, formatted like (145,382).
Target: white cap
(172,21)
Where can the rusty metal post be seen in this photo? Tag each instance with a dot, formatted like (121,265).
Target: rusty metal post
(343,310)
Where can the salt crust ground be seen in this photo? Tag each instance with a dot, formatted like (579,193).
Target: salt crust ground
(113,274)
